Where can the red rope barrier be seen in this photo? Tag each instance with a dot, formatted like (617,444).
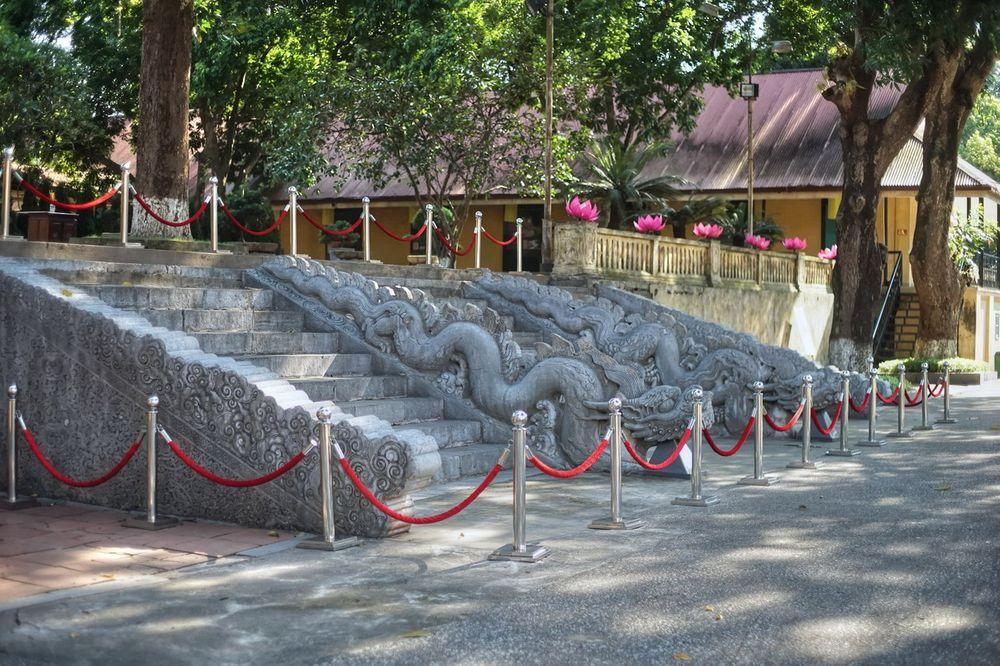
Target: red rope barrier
(934,393)
(833,420)
(69,481)
(69,206)
(330,232)
(663,463)
(738,445)
(576,471)
(247,230)
(890,399)
(864,403)
(152,213)
(912,401)
(498,241)
(234,483)
(415,520)
(454,250)
(402,239)
(791,422)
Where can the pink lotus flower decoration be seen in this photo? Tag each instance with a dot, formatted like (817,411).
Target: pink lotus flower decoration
(795,244)
(707,230)
(758,242)
(649,224)
(585,211)
(828,253)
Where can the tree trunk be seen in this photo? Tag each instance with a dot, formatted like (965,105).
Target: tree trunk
(163,156)
(938,282)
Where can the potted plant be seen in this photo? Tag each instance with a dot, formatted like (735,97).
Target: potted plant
(334,242)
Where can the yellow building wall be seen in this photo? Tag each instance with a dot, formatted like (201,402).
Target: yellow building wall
(797,217)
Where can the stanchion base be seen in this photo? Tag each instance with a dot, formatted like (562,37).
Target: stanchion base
(140,523)
(923,428)
(904,434)
(754,481)
(874,442)
(19,503)
(798,464)
(532,553)
(846,453)
(319,543)
(812,445)
(704,500)
(623,524)
(12,239)
(945,421)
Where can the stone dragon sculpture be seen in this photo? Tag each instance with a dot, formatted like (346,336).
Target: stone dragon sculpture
(669,349)
(472,354)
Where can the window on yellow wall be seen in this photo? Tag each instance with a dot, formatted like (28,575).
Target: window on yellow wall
(828,223)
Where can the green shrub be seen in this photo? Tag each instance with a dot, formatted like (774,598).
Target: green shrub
(933,365)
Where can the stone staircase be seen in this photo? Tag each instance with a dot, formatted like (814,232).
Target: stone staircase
(904,326)
(253,326)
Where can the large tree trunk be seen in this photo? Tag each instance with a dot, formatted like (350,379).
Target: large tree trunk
(163,156)
(938,283)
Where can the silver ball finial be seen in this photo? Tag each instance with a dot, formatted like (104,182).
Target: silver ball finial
(615,404)
(808,379)
(213,180)
(945,364)
(365,200)
(900,368)
(12,390)
(8,152)
(845,374)
(153,402)
(873,371)
(429,207)
(519,221)
(758,387)
(324,414)
(697,393)
(924,366)
(479,215)
(519,419)
(292,189)
(870,359)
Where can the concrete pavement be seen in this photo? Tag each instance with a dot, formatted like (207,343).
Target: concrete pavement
(889,557)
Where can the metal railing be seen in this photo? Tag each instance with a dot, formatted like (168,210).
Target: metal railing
(890,302)
(988,270)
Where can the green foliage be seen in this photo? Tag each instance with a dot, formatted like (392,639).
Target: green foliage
(711,210)
(967,237)
(350,239)
(933,365)
(250,206)
(614,174)
(981,137)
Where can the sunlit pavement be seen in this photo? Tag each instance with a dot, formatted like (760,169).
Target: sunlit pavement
(888,557)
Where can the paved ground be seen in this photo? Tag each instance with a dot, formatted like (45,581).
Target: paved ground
(890,557)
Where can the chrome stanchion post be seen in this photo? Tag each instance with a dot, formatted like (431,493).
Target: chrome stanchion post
(293,227)
(366,215)
(328,541)
(615,521)
(8,164)
(805,463)
(758,478)
(13,502)
(479,238)
(872,408)
(696,498)
(429,231)
(901,410)
(519,224)
(845,414)
(518,550)
(214,215)
(924,394)
(946,418)
(151,521)
(123,203)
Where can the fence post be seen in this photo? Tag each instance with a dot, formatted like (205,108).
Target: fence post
(805,463)
(328,541)
(946,417)
(478,238)
(123,204)
(845,414)
(925,396)
(758,478)
(429,231)
(366,231)
(13,502)
(872,406)
(615,520)
(901,410)
(520,224)
(8,164)
(518,550)
(293,227)
(696,498)
(151,521)
(214,217)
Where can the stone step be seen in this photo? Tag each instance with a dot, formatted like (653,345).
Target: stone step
(212,321)
(147,276)
(397,410)
(343,389)
(278,320)
(449,433)
(472,460)
(267,342)
(181,298)
(313,365)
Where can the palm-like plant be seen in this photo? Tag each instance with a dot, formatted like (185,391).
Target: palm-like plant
(615,175)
